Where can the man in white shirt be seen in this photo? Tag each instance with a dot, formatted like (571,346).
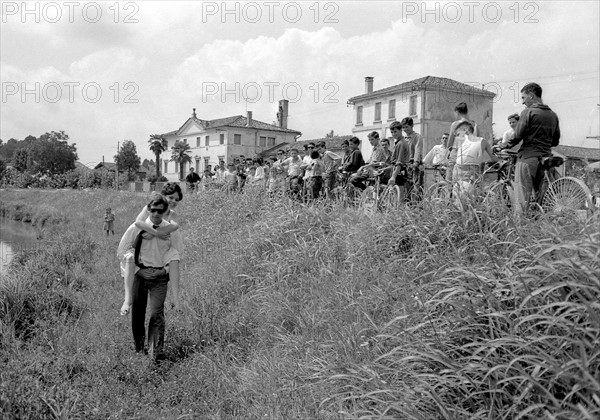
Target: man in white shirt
(438,155)
(151,282)
(510,133)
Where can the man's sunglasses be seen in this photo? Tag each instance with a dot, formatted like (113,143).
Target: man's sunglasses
(159,211)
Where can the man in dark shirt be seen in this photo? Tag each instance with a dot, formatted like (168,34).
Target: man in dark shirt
(192,179)
(539,130)
(355,159)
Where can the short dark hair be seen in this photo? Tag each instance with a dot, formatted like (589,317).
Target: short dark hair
(446,134)
(466,124)
(461,108)
(171,188)
(321,144)
(407,121)
(346,143)
(396,125)
(532,88)
(385,139)
(374,134)
(158,200)
(355,140)
(515,116)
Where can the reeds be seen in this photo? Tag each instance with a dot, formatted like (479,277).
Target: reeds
(294,311)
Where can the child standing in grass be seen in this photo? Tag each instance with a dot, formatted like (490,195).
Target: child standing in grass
(126,252)
(109,219)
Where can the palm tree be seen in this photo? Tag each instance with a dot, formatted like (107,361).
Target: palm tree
(158,144)
(180,153)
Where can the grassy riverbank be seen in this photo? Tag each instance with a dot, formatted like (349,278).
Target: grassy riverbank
(295,312)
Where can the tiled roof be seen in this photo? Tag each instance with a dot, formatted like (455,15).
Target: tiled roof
(106,165)
(579,152)
(331,143)
(235,121)
(427,83)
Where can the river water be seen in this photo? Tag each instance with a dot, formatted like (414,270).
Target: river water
(14,237)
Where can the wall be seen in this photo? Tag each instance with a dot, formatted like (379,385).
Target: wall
(368,125)
(439,112)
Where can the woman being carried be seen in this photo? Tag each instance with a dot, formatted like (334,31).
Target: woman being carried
(173,194)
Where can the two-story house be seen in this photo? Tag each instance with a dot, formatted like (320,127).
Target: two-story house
(429,101)
(226,139)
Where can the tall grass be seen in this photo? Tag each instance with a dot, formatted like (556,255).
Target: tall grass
(295,311)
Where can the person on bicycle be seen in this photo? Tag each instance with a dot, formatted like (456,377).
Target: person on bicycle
(293,165)
(461,111)
(400,158)
(378,158)
(438,155)
(331,161)
(192,179)
(539,130)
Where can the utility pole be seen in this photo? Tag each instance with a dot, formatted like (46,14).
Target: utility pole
(117,171)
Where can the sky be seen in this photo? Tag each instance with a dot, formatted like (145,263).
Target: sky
(105,72)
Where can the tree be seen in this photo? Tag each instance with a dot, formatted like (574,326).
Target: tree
(20,159)
(51,154)
(127,158)
(180,153)
(158,144)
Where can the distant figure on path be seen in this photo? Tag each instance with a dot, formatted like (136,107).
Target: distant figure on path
(109,219)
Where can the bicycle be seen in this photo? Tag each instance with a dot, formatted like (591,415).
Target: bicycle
(556,193)
(435,185)
(377,197)
(344,192)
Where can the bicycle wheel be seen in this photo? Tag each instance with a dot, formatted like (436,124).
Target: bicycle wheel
(368,200)
(567,194)
(390,198)
(440,192)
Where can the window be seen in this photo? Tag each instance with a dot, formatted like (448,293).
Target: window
(197,141)
(197,165)
(263,141)
(412,105)
(221,138)
(359,115)
(392,109)
(271,141)
(237,139)
(206,163)
(377,111)
(166,169)
(206,140)
(221,159)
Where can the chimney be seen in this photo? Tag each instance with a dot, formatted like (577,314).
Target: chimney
(248,118)
(194,113)
(282,115)
(368,84)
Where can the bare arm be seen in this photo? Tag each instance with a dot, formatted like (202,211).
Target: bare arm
(485,147)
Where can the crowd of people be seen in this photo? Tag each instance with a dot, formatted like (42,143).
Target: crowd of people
(313,171)
(150,249)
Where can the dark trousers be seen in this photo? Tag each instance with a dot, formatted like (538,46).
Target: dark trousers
(313,186)
(154,291)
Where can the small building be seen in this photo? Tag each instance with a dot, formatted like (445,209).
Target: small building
(226,139)
(333,143)
(577,158)
(429,101)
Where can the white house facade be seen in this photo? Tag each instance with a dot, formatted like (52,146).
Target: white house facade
(225,139)
(429,101)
